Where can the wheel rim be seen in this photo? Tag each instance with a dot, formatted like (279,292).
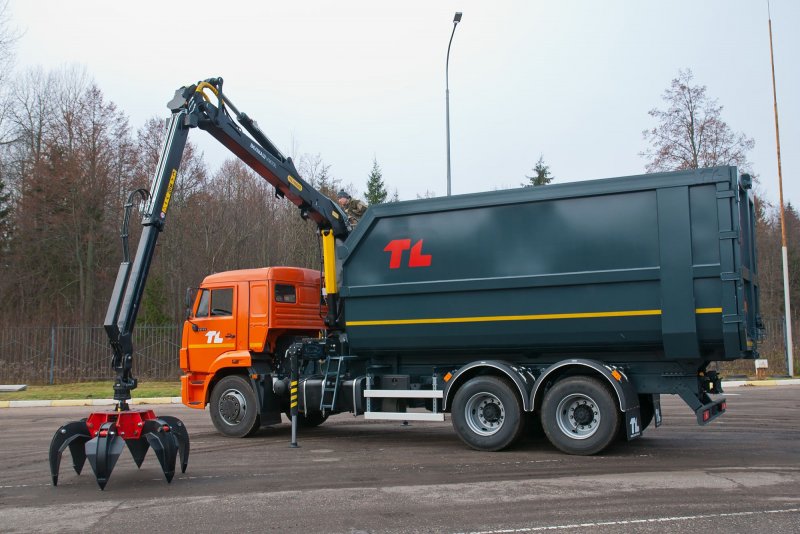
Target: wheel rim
(232,407)
(484,413)
(578,416)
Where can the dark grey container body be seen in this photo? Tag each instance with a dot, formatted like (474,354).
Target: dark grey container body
(643,268)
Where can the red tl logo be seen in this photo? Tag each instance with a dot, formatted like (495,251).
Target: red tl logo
(415,259)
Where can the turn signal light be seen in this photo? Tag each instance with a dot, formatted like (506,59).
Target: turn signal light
(448,376)
(617,375)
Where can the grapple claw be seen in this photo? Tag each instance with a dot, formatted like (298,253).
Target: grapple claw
(138,448)
(164,443)
(103,451)
(73,435)
(178,430)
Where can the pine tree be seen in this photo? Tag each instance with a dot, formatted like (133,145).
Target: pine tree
(376,189)
(541,174)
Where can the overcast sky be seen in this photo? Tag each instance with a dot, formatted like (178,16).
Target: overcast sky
(353,80)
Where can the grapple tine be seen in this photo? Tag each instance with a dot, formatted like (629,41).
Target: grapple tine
(73,435)
(103,452)
(179,431)
(138,448)
(164,443)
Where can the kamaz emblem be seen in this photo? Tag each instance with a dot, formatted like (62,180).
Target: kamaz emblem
(415,258)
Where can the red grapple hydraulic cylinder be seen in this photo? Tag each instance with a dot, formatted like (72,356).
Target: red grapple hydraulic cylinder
(129,424)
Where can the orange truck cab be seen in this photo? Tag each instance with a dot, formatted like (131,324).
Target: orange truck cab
(234,341)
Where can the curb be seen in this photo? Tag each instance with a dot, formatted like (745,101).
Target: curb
(84,402)
(777,382)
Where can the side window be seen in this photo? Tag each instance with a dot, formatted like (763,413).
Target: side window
(222,302)
(202,307)
(285,293)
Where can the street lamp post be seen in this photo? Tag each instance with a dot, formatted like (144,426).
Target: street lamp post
(456,20)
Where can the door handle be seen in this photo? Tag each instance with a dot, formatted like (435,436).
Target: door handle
(230,336)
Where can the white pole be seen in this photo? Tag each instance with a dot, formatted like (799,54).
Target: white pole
(787,304)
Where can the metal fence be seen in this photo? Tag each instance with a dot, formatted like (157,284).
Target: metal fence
(771,348)
(58,354)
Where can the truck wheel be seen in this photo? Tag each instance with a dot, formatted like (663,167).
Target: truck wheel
(580,416)
(487,413)
(234,408)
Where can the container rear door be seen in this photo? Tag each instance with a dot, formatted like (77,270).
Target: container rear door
(748,251)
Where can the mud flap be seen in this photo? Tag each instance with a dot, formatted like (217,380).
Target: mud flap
(657,419)
(633,423)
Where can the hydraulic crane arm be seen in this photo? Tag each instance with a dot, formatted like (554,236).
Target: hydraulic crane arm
(192,107)
(257,151)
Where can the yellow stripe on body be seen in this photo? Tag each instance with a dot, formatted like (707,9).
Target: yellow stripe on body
(213,345)
(537,317)
(294,404)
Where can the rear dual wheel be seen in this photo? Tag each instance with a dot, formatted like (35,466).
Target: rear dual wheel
(580,416)
(487,413)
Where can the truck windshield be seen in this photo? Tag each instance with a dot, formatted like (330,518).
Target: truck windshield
(202,307)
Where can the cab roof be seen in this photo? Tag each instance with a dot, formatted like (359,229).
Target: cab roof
(283,274)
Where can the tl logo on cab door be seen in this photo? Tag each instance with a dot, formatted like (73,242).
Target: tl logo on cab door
(415,258)
(213,337)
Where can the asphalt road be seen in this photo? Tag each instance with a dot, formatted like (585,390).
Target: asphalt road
(739,474)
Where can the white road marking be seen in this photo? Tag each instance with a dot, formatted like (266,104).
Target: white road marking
(638,521)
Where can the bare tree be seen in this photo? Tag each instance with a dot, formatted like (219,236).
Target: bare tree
(690,133)
(8,38)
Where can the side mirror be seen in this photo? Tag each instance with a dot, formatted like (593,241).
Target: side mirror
(191,292)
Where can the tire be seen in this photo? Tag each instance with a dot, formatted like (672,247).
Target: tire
(487,413)
(580,415)
(234,408)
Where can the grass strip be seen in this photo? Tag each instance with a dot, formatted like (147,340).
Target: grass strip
(92,390)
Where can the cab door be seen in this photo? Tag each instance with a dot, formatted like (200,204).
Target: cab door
(212,328)
(259,316)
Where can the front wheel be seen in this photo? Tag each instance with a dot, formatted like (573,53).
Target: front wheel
(234,408)
(580,416)
(487,413)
